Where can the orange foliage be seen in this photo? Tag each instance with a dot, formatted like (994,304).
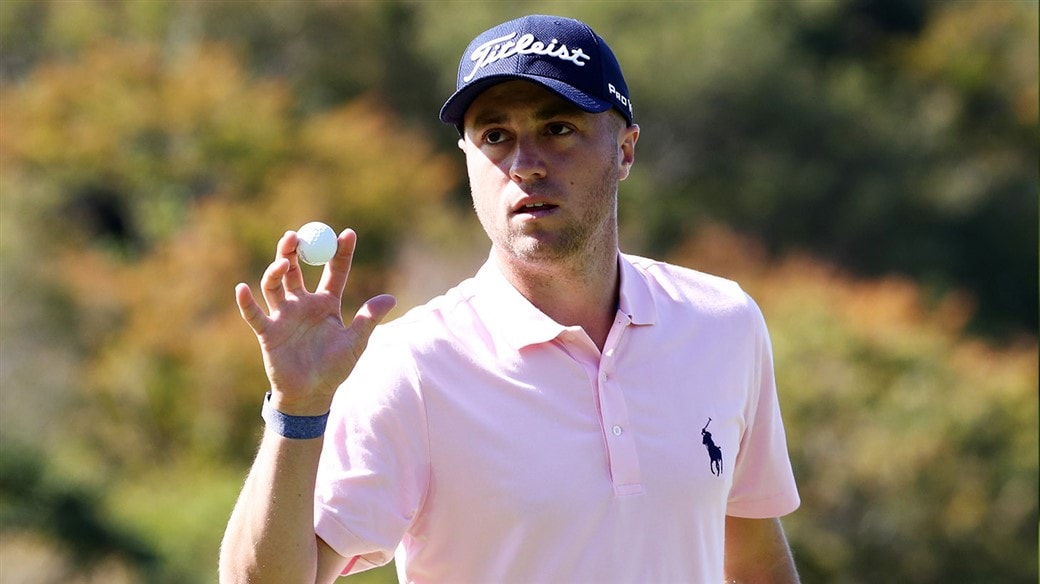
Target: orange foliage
(211,167)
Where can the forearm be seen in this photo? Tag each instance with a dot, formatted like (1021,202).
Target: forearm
(757,552)
(270,536)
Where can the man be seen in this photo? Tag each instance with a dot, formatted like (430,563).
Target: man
(544,421)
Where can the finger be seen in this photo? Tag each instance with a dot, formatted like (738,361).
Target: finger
(286,249)
(271,284)
(367,317)
(250,310)
(334,276)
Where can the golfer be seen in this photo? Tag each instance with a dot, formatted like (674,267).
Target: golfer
(546,419)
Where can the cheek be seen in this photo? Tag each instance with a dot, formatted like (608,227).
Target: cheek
(482,170)
(479,193)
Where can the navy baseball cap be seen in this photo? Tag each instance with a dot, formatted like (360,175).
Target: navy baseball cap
(561,54)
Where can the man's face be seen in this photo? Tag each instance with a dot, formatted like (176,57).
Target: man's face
(543,173)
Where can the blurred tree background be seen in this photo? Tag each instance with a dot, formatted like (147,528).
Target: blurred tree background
(867,169)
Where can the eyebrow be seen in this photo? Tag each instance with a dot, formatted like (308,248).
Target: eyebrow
(546,112)
(556,109)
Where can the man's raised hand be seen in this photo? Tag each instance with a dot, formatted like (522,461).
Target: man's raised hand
(307,349)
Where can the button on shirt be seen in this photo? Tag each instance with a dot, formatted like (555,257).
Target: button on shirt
(484,442)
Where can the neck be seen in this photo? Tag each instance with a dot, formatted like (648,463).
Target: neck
(581,293)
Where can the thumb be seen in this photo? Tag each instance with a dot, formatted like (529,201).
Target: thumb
(368,316)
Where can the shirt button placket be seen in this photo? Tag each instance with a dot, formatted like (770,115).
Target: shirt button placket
(624,462)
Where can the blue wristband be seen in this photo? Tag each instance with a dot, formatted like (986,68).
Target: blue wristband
(294,427)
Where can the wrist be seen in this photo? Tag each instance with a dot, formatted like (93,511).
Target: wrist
(315,404)
(292,426)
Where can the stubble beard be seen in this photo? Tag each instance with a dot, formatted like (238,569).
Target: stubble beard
(576,241)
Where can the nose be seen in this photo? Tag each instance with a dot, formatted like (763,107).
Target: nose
(528,161)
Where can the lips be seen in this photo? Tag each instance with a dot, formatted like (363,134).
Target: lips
(532,206)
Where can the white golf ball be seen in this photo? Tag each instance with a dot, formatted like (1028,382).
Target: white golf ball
(317,243)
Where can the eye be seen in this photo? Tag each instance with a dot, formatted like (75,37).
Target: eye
(495,137)
(559,129)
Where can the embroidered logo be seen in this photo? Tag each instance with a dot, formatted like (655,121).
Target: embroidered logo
(714,452)
(502,48)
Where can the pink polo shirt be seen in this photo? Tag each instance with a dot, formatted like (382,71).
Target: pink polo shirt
(484,442)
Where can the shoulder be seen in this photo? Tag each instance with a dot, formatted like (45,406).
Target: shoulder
(670,282)
(423,327)
(391,364)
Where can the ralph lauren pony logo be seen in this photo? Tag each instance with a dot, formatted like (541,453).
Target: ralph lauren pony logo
(714,452)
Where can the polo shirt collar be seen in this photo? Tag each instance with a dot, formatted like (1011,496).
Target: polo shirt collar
(509,313)
(505,306)
(635,299)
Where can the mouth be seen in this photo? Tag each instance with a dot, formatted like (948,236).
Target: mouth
(535,209)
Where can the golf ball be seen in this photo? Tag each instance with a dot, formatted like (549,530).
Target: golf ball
(317,243)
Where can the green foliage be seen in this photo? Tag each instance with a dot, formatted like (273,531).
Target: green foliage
(152,152)
(880,155)
(71,516)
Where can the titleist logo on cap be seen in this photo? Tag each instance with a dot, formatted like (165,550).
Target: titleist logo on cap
(502,47)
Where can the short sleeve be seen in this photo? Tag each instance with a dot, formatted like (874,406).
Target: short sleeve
(763,480)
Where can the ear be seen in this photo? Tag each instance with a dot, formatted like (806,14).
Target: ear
(627,149)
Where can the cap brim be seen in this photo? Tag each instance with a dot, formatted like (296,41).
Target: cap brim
(454,109)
